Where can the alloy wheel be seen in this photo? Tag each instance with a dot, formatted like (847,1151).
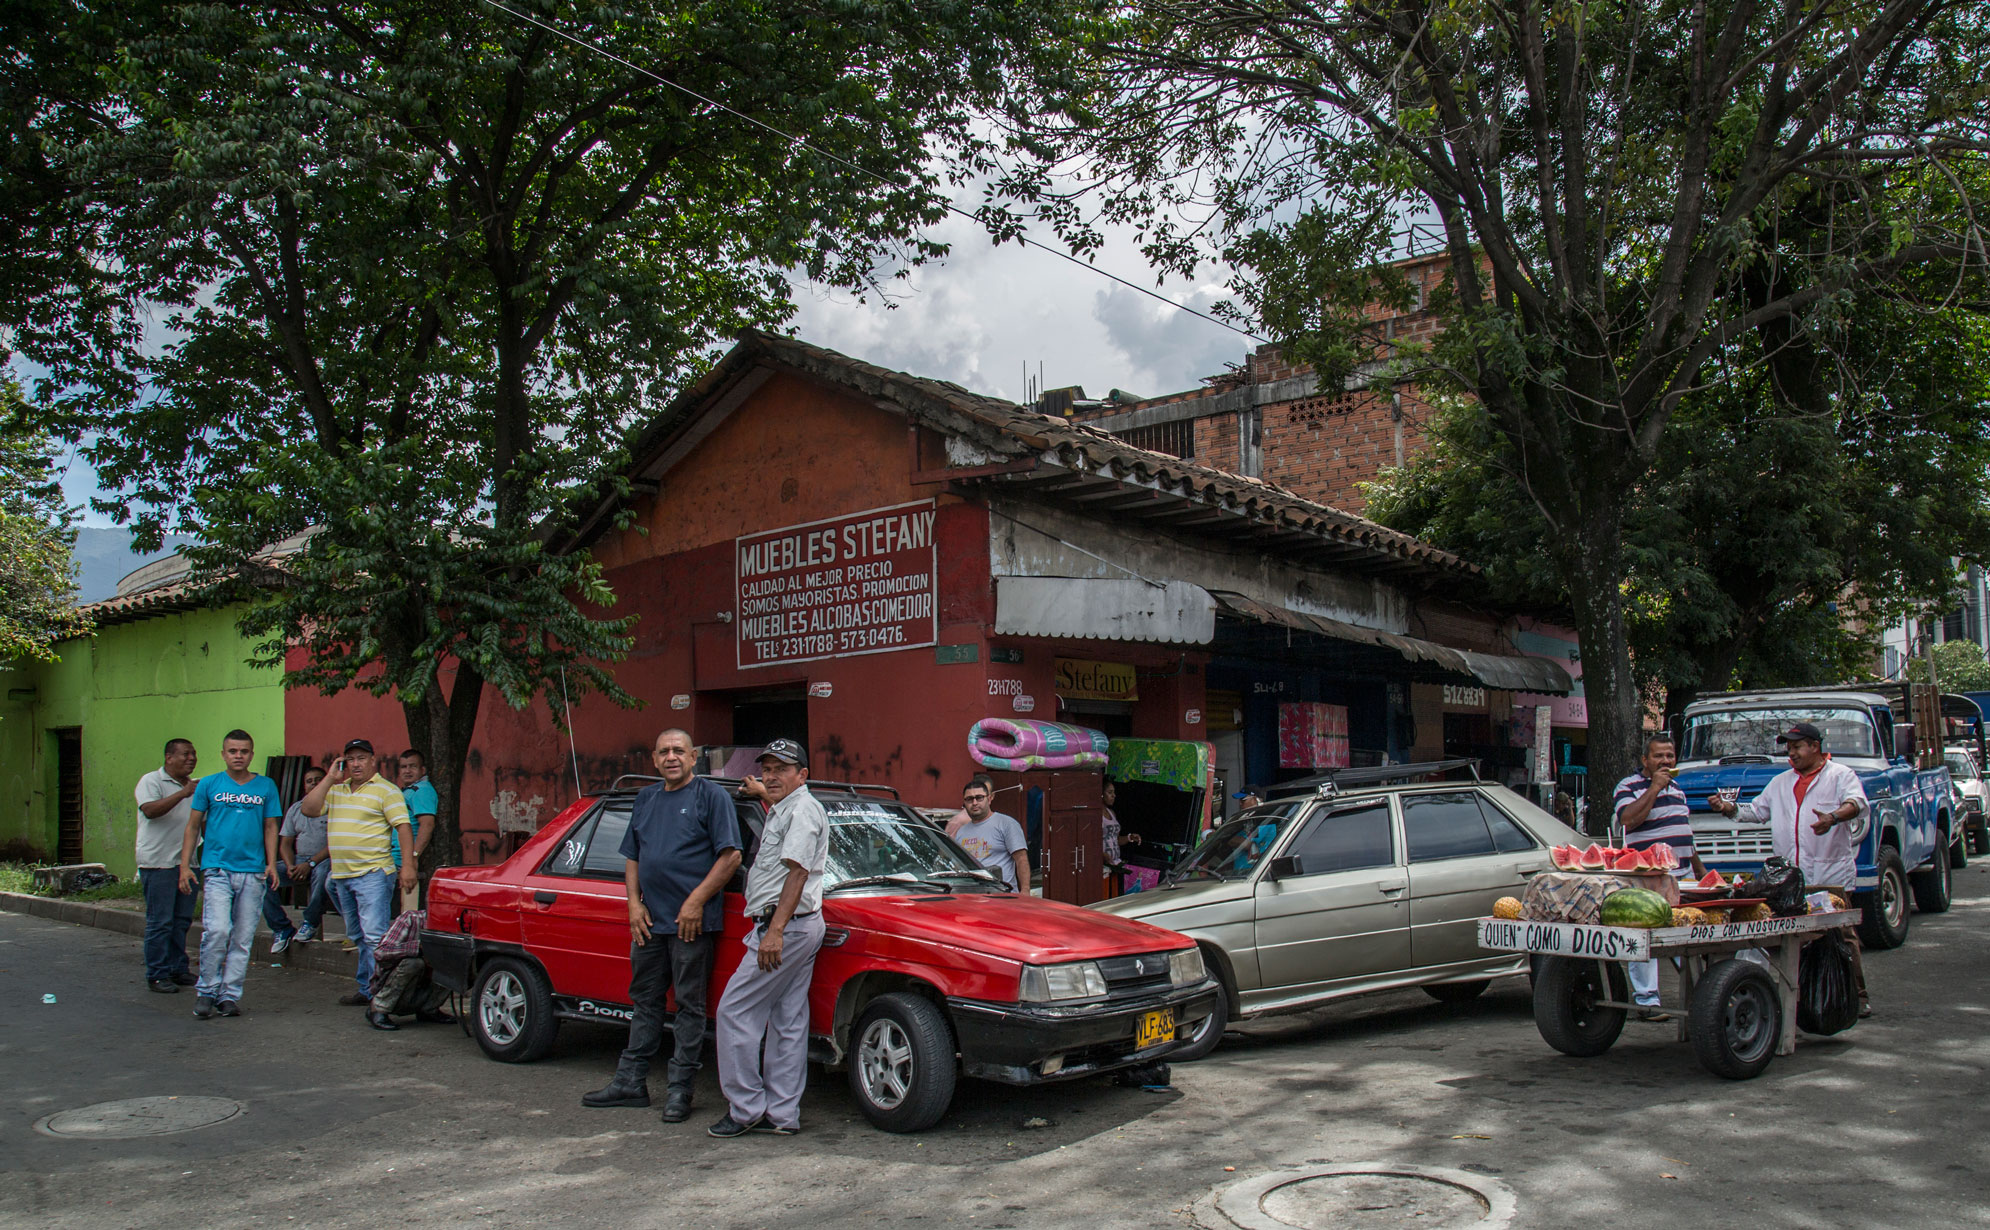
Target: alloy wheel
(884,1062)
(502,1009)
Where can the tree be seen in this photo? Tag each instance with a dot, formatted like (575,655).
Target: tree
(37,577)
(1765,525)
(1624,194)
(424,265)
(1959,667)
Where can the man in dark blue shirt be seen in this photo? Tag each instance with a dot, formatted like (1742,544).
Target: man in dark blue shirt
(681,848)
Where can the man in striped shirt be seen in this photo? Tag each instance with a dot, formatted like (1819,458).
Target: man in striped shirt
(1653,812)
(364,809)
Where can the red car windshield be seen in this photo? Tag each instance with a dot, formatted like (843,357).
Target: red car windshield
(872,840)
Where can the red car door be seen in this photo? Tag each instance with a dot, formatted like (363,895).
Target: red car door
(575,909)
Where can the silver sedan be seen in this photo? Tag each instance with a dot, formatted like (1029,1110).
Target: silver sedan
(1313,898)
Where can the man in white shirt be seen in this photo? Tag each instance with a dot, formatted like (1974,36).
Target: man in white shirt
(163,798)
(763,1014)
(1810,808)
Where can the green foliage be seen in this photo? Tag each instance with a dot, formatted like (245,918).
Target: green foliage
(1959,667)
(37,577)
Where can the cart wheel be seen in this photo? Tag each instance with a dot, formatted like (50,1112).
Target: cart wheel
(1735,1018)
(1568,998)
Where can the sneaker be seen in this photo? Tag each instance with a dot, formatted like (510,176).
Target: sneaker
(228,1007)
(164,986)
(203,1007)
(727,1128)
(768,1127)
(185,980)
(305,934)
(349,946)
(1652,1012)
(280,942)
(353,999)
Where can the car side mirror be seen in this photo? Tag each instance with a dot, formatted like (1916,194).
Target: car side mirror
(1281,868)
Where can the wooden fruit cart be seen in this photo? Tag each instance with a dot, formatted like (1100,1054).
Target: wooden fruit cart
(1738,1014)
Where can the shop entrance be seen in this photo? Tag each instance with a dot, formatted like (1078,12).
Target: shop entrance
(1467,734)
(759,718)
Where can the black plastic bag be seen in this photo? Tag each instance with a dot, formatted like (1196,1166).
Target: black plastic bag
(1827,989)
(1781,885)
(84,881)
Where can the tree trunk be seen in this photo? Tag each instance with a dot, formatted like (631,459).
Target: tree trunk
(1595,590)
(442,727)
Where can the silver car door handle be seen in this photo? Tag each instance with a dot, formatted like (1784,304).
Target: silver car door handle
(1391,890)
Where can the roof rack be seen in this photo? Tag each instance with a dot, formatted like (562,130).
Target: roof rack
(644,779)
(1333,781)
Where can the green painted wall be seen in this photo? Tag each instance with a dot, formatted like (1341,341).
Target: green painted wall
(129,687)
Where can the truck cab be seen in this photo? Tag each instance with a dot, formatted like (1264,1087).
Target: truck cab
(1728,742)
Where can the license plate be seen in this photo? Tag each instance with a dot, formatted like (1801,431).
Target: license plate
(1155,1028)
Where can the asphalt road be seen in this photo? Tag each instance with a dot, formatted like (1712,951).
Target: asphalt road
(1882,1126)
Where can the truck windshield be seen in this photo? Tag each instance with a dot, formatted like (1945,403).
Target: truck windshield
(1962,766)
(1752,732)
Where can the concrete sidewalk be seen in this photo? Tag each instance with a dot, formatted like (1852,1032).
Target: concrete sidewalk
(324,956)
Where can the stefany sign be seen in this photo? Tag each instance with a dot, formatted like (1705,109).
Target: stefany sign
(858,584)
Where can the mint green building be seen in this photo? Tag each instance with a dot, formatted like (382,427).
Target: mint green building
(76,734)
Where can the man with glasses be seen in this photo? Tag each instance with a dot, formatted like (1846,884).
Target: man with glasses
(763,1014)
(995,840)
(1810,809)
(680,850)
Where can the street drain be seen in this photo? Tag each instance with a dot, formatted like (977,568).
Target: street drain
(134,1117)
(1367,1194)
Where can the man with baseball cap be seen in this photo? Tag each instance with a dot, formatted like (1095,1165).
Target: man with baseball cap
(1810,809)
(364,808)
(763,1014)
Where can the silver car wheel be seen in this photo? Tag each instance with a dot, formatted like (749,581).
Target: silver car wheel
(884,1063)
(502,1008)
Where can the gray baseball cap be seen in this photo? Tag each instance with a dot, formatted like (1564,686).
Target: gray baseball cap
(785,750)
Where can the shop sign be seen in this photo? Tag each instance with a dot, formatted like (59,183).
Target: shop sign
(1193,717)
(1024,704)
(681,701)
(823,690)
(850,585)
(1078,679)
(954,655)
(1464,697)
(1002,653)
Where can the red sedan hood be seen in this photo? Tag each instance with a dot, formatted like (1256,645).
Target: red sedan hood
(1027,929)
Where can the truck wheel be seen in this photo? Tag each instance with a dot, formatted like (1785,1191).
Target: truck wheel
(1885,907)
(511,1011)
(902,1063)
(1979,836)
(1735,1018)
(1932,886)
(1959,849)
(1208,1032)
(1457,992)
(1568,1006)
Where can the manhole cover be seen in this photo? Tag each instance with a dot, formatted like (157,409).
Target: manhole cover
(1367,1194)
(138,1117)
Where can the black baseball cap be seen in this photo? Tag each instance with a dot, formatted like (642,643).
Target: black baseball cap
(359,745)
(1800,731)
(785,750)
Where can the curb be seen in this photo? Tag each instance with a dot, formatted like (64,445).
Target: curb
(324,956)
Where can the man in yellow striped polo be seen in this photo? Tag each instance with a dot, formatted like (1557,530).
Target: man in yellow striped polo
(365,808)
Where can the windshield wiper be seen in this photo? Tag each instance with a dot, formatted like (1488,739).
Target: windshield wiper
(1747,758)
(985,877)
(1179,872)
(896,880)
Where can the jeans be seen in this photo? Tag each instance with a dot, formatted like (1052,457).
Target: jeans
(667,963)
(273,914)
(366,901)
(320,899)
(230,901)
(168,914)
(314,906)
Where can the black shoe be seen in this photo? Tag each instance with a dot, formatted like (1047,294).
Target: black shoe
(615,1093)
(203,1007)
(435,1016)
(677,1104)
(1653,1014)
(727,1128)
(228,1007)
(380,1020)
(768,1127)
(164,986)
(185,980)
(353,999)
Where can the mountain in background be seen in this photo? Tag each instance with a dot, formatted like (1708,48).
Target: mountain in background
(104,556)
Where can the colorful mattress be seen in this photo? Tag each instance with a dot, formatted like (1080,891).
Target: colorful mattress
(1020,744)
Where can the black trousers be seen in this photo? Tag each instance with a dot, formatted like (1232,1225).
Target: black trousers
(667,963)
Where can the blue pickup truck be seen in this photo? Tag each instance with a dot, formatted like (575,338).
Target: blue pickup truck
(1728,742)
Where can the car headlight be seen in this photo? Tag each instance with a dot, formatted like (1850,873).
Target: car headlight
(1861,825)
(1185,967)
(1043,984)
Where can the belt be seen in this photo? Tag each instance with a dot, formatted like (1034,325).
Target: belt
(766,916)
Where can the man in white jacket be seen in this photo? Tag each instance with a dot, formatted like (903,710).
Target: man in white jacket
(1810,808)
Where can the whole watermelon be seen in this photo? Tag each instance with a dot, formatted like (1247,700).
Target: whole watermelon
(1635,907)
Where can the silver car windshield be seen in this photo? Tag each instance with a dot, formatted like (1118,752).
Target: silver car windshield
(1234,850)
(1752,732)
(874,840)
(1962,766)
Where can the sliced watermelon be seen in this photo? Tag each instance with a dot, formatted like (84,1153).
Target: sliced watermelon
(1667,860)
(1593,859)
(1632,860)
(1712,880)
(1565,857)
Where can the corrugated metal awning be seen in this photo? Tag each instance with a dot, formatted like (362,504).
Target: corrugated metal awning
(1173,613)
(1513,674)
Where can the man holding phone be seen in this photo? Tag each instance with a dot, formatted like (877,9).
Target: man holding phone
(363,809)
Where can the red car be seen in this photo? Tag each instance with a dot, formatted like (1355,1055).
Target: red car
(931,968)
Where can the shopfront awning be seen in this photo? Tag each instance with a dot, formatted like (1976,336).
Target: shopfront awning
(1174,612)
(1513,674)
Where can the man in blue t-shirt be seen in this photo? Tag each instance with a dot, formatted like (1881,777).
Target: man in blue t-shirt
(681,848)
(233,822)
